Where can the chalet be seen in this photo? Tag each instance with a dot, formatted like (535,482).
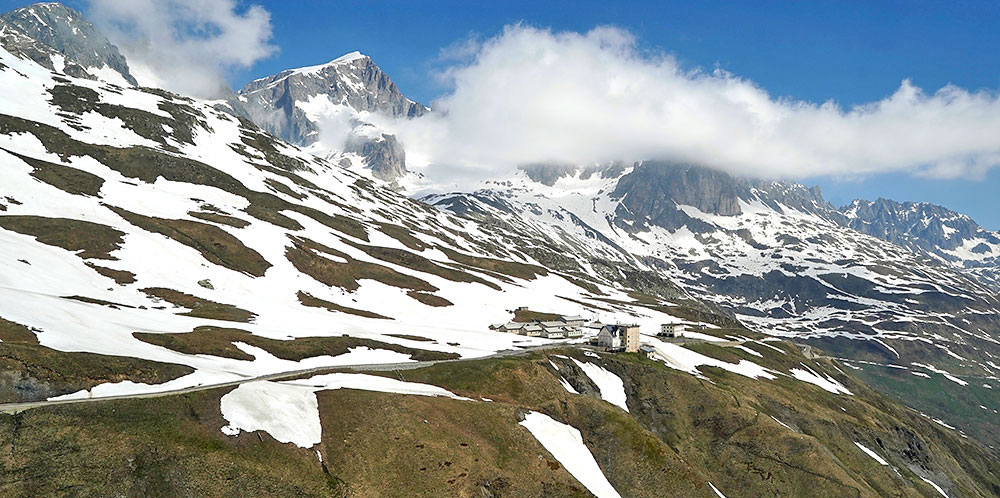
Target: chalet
(555,332)
(619,337)
(572,320)
(509,327)
(533,330)
(672,330)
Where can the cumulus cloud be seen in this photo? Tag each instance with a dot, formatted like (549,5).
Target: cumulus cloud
(186,46)
(533,95)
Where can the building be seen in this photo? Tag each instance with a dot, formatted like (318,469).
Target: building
(566,327)
(555,333)
(672,330)
(509,327)
(647,351)
(533,330)
(619,337)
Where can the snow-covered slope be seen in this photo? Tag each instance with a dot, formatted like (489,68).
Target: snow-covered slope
(60,39)
(127,210)
(330,104)
(776,254)
(929,229)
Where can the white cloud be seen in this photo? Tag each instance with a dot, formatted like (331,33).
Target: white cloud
(185,45)
(532,95)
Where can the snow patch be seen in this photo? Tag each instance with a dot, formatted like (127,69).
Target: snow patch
(871,453)
(825,381)
(611,386)
(565,443)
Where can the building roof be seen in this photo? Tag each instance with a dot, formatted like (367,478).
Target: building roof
(551,324)
(645,348)
(572,318)
(513,325)
(533,327)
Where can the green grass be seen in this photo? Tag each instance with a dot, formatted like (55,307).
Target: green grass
(939,397)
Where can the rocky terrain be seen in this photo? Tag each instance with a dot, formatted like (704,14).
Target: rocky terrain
(294,104)
(186,284)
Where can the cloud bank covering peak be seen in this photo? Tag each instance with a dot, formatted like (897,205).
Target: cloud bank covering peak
(185,46)
(532,95)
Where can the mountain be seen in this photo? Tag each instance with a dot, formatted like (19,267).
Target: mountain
(60,39)
(192,306)
(338,95)
(933,230)
(779,257)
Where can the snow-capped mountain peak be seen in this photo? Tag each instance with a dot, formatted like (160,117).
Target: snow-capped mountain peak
(60,39)
(326,107)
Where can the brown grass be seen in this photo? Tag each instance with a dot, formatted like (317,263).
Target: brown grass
(201,308)
(215,244)
(305,255)
(218,341)
(88,240)
(315,302)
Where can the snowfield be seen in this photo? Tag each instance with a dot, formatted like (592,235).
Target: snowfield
(288,411)
(566,444)
(611,386)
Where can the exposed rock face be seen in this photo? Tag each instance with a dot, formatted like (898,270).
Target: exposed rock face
(654,186)
(916,224)
(654,189)
(293,103)
(59,38)
(385,155)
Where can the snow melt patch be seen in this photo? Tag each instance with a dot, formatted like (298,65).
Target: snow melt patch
(825,381)
(684,359)
(946,374)
(717,492)
(612,387)
(935,486)
(290,414)
(289,411)
(565,443)
(871,453)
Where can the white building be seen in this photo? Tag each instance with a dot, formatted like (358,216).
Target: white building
(619,337)
(672,329)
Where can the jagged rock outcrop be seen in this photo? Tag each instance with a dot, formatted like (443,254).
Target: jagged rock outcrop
(293,104)
(59,38)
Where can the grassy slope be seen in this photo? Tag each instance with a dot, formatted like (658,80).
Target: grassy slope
(682,433)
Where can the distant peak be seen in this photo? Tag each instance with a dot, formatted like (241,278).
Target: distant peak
(343,59)
(350,57)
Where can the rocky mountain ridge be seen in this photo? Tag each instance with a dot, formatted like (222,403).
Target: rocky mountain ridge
(60,39)
(294,104)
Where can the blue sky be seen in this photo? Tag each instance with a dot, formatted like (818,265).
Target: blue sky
(848,52)
(851,52)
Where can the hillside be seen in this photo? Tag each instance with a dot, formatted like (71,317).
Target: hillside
(203,298)
(683,434)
